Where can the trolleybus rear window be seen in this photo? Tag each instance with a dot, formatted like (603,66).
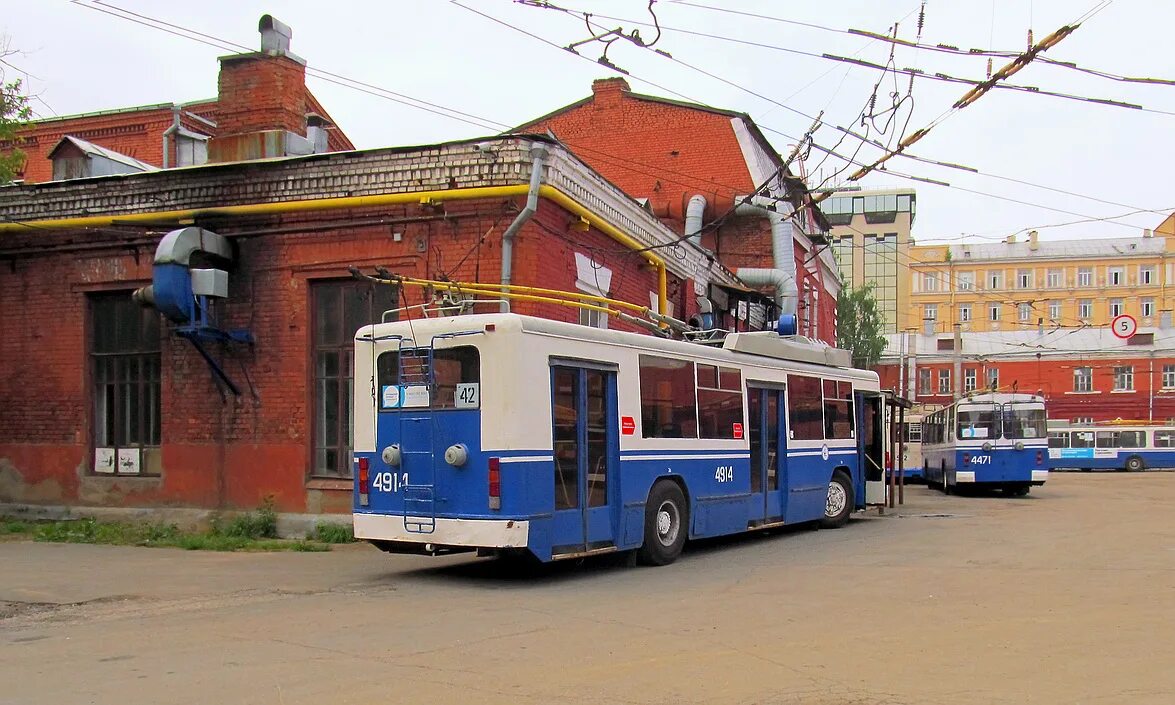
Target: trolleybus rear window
(456,376)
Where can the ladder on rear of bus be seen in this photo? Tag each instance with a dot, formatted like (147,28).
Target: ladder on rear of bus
(416,370)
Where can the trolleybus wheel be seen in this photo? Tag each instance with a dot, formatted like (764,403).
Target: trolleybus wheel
(1135,464)
(838,503)
(666,516)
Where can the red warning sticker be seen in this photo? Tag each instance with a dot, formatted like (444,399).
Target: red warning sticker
(738,430)
(628,425)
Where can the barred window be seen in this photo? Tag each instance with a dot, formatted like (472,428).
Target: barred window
(125,388)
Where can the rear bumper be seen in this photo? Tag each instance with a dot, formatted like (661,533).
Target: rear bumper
(969,476)
(474,533)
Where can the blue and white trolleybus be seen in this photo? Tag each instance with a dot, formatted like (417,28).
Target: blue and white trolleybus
(508,434)
(994,440)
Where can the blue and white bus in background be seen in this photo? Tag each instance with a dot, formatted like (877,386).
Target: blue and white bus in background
(508,435)
(1112,446)
(994,440)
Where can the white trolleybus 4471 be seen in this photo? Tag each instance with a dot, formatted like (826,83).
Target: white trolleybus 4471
(508,434)
(993,440)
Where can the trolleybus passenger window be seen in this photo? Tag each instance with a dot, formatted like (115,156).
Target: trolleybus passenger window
(668,403)
(1164,439)
(838,409)
(720,401)
(979,422)
(1132,439)
(1023,422)
(805,414)
(1107,439)
(1058,439)
(1082,439)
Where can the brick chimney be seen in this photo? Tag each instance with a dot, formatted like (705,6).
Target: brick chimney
(608,92)
(261,109)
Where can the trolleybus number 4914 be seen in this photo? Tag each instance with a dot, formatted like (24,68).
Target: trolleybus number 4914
(389,481)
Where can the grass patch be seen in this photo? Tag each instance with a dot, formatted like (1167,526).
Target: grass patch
(251,531)
(333,533)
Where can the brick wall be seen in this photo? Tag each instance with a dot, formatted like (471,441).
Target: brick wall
(231,453)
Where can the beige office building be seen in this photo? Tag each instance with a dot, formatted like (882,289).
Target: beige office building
(871,240)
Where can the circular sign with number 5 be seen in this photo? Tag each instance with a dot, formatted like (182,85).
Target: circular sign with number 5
(1124,326)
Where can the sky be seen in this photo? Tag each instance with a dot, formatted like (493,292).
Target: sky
(1111,161)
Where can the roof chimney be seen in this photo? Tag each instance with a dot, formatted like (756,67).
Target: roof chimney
(1032,240)
(261,109)
(609,91)
(1147,232)
(1011,239)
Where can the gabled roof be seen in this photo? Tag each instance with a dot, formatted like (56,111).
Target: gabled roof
(91,149)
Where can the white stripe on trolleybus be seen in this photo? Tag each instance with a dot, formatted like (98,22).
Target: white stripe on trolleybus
(714,456)
(831,451)
(1040,475)
(484,533)
(526,459)
(965,476)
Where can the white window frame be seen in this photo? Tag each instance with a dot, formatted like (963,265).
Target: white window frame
(1146,274)
(969,378)
(1085,276)
(995,279)
(965,281)
(1085,308)
(1117,307)
(1024,279)
(1123,378)
(1055,278)
(1083,379)
(1168,376)
(1115,276)
(930,312)
(993,313)
(1024,312)
(1146,307)
(1054,310)
(964,313)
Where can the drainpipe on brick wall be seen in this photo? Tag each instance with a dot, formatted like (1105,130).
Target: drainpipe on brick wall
(782,276)
(175,126)
(538,154)
(693,218)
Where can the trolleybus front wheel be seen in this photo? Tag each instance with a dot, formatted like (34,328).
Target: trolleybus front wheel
(1135,464)
(838,503)
(666,518)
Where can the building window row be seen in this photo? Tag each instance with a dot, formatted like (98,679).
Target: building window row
(993,279)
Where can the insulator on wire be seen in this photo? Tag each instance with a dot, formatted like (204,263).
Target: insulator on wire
(921,18)
(989,67)
(1030,42)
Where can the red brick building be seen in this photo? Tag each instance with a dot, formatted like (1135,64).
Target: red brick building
(1085,374)
(262,109)
(669,154)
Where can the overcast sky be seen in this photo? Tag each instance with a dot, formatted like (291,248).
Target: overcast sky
(80,60)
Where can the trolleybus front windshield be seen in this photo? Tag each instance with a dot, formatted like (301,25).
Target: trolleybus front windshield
(1024,422)
(979,422)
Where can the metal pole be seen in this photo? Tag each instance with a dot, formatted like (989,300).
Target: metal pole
(901,454)
(893,446)
(958,361)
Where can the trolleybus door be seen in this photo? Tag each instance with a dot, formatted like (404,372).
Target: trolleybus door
(873,442)
(586,450)
(768,454)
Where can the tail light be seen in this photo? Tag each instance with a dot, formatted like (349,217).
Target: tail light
(1040,457)
(966,458)
(888,461)
(495,483)
(363,481)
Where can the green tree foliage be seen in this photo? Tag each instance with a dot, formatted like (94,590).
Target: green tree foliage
(859,324)
(14,114)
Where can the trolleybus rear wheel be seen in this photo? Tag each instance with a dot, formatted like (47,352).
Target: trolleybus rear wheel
(838,503)
(666,518)
(1135,464)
